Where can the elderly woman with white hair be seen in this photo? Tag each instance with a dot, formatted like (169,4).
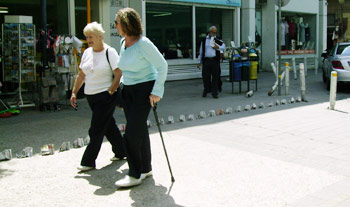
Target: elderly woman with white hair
(100,86)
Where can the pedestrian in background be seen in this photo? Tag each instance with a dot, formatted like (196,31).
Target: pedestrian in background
(100,87)
(209,57)
(144,73)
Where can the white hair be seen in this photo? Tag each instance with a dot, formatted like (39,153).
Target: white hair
(211,28)
(93,27)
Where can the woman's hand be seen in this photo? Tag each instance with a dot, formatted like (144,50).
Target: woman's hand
(73,100)
(153,99)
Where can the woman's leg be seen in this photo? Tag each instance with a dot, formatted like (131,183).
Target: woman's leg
(136,133)
(102,112)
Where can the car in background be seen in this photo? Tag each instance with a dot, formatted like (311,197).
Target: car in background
(338,59)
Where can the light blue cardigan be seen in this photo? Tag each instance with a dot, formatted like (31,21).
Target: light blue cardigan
(143,62)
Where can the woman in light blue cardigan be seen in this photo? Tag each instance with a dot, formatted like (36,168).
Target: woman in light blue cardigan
(144,72)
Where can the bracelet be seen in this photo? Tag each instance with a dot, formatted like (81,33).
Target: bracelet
(110,92)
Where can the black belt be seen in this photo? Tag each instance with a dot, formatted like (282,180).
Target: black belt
(209,58)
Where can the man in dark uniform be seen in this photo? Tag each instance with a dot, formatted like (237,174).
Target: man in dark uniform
(209,56)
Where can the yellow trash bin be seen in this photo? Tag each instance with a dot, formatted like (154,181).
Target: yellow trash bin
(253,69)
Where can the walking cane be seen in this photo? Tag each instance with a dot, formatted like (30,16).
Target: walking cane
(161,136)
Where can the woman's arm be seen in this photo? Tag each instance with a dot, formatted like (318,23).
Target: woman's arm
(79,80)
(156,59)
(116,81)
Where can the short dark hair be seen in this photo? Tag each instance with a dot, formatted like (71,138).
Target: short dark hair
(130,21)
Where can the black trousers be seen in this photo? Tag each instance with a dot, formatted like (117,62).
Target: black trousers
(102,124)
(211,75)
(136,108)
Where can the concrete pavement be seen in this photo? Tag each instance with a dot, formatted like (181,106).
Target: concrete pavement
(288,155)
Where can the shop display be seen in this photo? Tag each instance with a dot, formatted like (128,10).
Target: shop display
(66,59)
(18,52)
(18,57)
(297,35)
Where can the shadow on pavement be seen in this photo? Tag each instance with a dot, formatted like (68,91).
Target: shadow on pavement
(104,178)
(4,172)
(150,194)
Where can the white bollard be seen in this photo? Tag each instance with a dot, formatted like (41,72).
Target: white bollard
(228,110)
(219,112)
(191,117)
(261,105)
(316,65)
(274,69)
(211,113)
(287,68)
(182,118)
(202,115)
(292,100)
(283,101)
(254,106)
(305,66)
(333,90)
(302,81)
(294,69)
(249,93)
(171,120)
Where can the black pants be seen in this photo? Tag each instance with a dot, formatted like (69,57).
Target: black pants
(210,74)
(136,108)
(102,124)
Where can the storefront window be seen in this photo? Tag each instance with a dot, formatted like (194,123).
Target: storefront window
(80,18)
(298,34)
(258,28)
(57,13)
(169,27)
(221,18)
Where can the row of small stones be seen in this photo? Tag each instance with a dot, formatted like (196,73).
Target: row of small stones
(212,113)
(81,142)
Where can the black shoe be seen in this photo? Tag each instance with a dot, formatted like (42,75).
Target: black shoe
(204,94)
(215,96)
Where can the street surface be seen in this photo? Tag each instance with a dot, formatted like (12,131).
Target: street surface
(296,155)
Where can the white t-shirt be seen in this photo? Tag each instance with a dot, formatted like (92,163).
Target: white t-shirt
(98,73)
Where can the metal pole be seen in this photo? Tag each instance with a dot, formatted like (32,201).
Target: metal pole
(88,11)
(294,69)
(44,33)
(161,136)
(279,46)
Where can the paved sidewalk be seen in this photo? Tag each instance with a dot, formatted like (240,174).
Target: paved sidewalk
(288,155)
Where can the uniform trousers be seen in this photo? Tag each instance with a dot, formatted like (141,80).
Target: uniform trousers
(210,73)
(136,109)
(102,124)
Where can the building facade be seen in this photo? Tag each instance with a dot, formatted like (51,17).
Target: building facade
(176,26)
(303,30)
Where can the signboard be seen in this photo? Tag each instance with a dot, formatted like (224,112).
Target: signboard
(296,52)
(115,5)
(216,2)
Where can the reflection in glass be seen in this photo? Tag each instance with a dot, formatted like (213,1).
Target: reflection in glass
(169,27)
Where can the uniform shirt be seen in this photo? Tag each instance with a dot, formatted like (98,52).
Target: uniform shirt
(98,73)
(142,62)
(209,50)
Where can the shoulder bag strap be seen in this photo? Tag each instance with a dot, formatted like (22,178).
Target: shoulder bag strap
(108,59)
